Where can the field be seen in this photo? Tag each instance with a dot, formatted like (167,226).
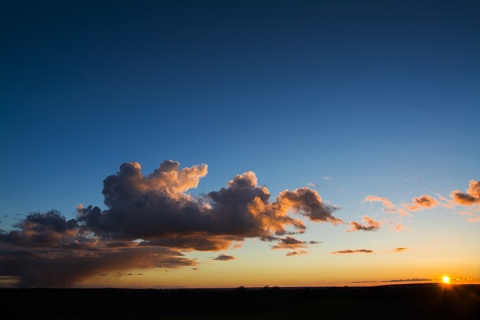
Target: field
(412,301)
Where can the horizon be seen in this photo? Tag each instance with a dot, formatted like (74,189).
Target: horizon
(240,143)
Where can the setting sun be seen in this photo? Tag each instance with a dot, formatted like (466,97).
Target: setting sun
(446,279)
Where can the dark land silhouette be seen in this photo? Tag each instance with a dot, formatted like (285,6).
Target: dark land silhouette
(406,301)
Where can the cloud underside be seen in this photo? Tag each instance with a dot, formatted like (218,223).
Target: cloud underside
(150,220)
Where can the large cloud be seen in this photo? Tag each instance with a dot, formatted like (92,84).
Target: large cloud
(49,251)
(149,221)
(157,209)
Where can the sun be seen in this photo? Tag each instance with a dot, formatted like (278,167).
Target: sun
(446,279)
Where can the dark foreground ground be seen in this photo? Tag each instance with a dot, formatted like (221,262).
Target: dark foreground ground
(423,301)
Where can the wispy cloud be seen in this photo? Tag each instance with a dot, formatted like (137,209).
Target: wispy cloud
(388,206)
(348,251)
(400,249)
(295,253)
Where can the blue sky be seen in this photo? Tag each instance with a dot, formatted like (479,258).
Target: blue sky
(349,98)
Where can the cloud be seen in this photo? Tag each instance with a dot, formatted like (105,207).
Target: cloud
(352,251)
(385,202)
(149,221)
(62,258)
(400,249)
(157,208)
(399,227)
(471,197)
(371,225)
(290,243)
(473,219)
(224,257)
(388,206)
(295,253)
(423,202)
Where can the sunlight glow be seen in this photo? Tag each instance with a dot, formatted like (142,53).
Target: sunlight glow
(446,279)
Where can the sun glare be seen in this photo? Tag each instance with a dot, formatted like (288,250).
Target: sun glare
(446,279)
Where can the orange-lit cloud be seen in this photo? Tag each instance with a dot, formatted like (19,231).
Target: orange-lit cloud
(385,202)
(388,206)
(471,197)
(295,253)
(371,225)
(423,202)
(400,249)
(352,251)
(224,257)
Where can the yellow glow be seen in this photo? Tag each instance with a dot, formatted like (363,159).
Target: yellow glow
(446,279)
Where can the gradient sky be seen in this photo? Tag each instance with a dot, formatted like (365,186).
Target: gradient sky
(229,143)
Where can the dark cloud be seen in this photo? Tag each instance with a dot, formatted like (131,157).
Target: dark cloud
(149,221)
(352,251)
(290,243)
(224,257)
(157,209)
(371,225)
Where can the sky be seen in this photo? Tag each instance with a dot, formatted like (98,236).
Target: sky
(169,144)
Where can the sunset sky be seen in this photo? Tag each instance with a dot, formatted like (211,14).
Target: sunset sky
(227,143)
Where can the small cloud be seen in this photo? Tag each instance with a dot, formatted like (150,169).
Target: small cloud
(312,184)
(224,257)
(289,243)
(352,251)
(327,178)
(388,206)
(385,202)
(295,253)
(423,202)
(371,225)
(471,197)
(400,249)
(195,269)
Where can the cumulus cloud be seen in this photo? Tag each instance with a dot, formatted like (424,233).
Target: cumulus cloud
(471,197)
(295,253)
(371,225)
(352,251)
(224,257)
(150,220)
(423,202)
